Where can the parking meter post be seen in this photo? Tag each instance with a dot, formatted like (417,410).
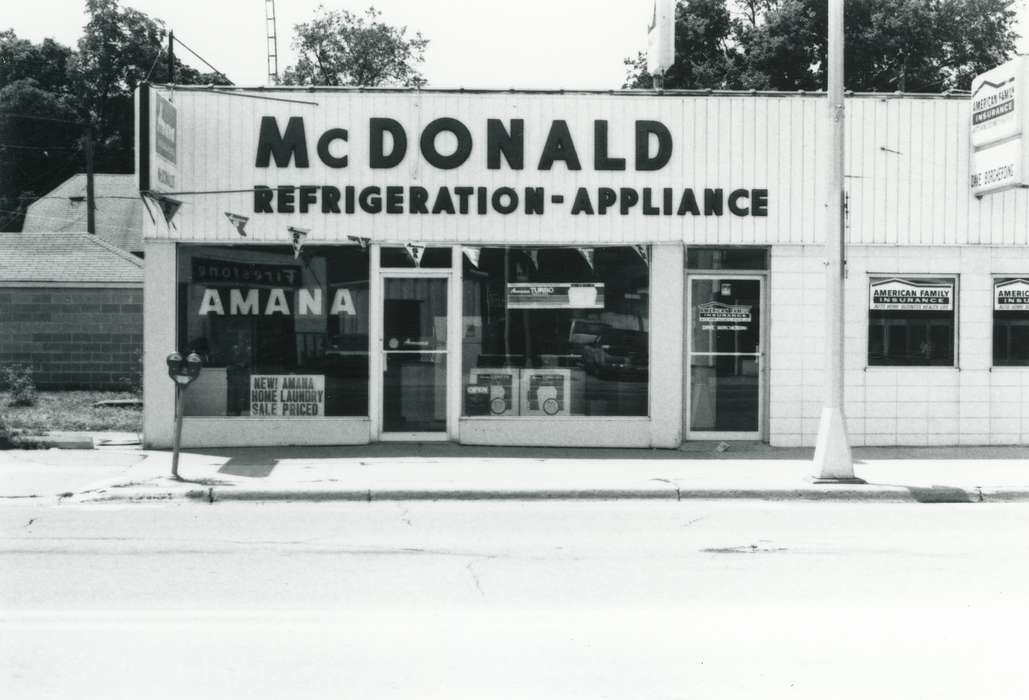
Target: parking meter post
(182,371)
(178,433)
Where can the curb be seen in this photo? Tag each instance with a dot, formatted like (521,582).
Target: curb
(873,494)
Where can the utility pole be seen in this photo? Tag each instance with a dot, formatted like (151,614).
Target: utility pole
(833,460)
(171,58)
(90,194)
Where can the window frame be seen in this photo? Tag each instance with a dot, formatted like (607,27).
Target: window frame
(994,279)
(914,277)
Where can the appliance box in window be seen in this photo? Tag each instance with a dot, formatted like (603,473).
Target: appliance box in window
(546,392)
(492,392)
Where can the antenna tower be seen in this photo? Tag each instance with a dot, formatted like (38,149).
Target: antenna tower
(273,42)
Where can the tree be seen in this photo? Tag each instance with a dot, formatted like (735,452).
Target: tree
(119,49)
(907,45)
(50,95)
(338,47)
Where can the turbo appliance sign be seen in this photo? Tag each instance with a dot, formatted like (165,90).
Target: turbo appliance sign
(544,295)
(715,316)
(287,395)
(908,295)
(1011,295)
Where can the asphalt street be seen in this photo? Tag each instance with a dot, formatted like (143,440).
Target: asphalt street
(509,599)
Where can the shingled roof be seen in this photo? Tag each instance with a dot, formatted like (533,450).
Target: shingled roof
(65,258)
(119,211)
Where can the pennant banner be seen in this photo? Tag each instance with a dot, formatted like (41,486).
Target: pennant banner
(298,235)
(415,251)
(641,250)
(360,240)
(239,222)
(473,255)
(169,207)
(534,255)
(587,255)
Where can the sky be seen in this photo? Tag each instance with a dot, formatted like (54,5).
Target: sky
(575,44)
(473,43)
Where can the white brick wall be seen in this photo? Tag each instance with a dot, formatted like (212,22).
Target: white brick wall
(971,404)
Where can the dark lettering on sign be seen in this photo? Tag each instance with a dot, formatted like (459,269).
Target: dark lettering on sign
(460,154)
(510,143)
(712,202)
(323,148)
(308,196)
(263,200)
(644,129)
(285,199)
(271,144)
(369,200)
(330,200)
(377,126)
(601,159)
(734,197)
(559,146)
(414,199)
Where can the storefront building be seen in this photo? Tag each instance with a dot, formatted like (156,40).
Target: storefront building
(571,269)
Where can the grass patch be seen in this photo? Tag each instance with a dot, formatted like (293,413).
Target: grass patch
(71,410)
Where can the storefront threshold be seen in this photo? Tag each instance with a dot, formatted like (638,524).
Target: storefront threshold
(263,432)
(615,431)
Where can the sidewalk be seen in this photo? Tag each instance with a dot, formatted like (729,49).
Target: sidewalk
(450,472)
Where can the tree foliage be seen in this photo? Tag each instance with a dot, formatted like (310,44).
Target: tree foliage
(51,94)
(338,47)
(890,45)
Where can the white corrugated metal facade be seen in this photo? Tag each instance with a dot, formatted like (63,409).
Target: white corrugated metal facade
(907,167)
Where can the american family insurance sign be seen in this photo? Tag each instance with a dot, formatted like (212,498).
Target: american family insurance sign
(413,166)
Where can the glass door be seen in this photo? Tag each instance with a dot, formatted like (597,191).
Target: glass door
(724,377)
(414,356)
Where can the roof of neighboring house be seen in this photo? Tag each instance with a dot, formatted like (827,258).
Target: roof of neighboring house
(65,258)
(119,211)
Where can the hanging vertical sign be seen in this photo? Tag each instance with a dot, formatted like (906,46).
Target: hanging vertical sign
(661,37)
(998,127)
(1011,295)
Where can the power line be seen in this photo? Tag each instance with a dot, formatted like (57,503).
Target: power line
(218,72)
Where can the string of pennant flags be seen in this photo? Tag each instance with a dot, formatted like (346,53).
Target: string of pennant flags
(169,206)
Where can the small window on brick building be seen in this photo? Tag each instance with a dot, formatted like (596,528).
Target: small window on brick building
(911,321)
(1011,321)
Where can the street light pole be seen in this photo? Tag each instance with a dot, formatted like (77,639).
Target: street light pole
(833,460)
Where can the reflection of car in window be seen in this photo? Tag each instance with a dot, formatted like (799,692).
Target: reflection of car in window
(618,353)
(581,333)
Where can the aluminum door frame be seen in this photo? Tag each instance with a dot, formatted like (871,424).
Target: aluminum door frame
(452,351)
(762,391)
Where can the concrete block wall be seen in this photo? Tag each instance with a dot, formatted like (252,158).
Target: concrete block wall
(972,403)
(74,338)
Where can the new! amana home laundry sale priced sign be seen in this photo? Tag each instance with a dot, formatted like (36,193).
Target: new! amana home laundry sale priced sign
(289,395)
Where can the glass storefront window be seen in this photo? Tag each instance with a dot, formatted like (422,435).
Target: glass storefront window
(280,336)
(911,321)
(1011,321)
(556,332)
